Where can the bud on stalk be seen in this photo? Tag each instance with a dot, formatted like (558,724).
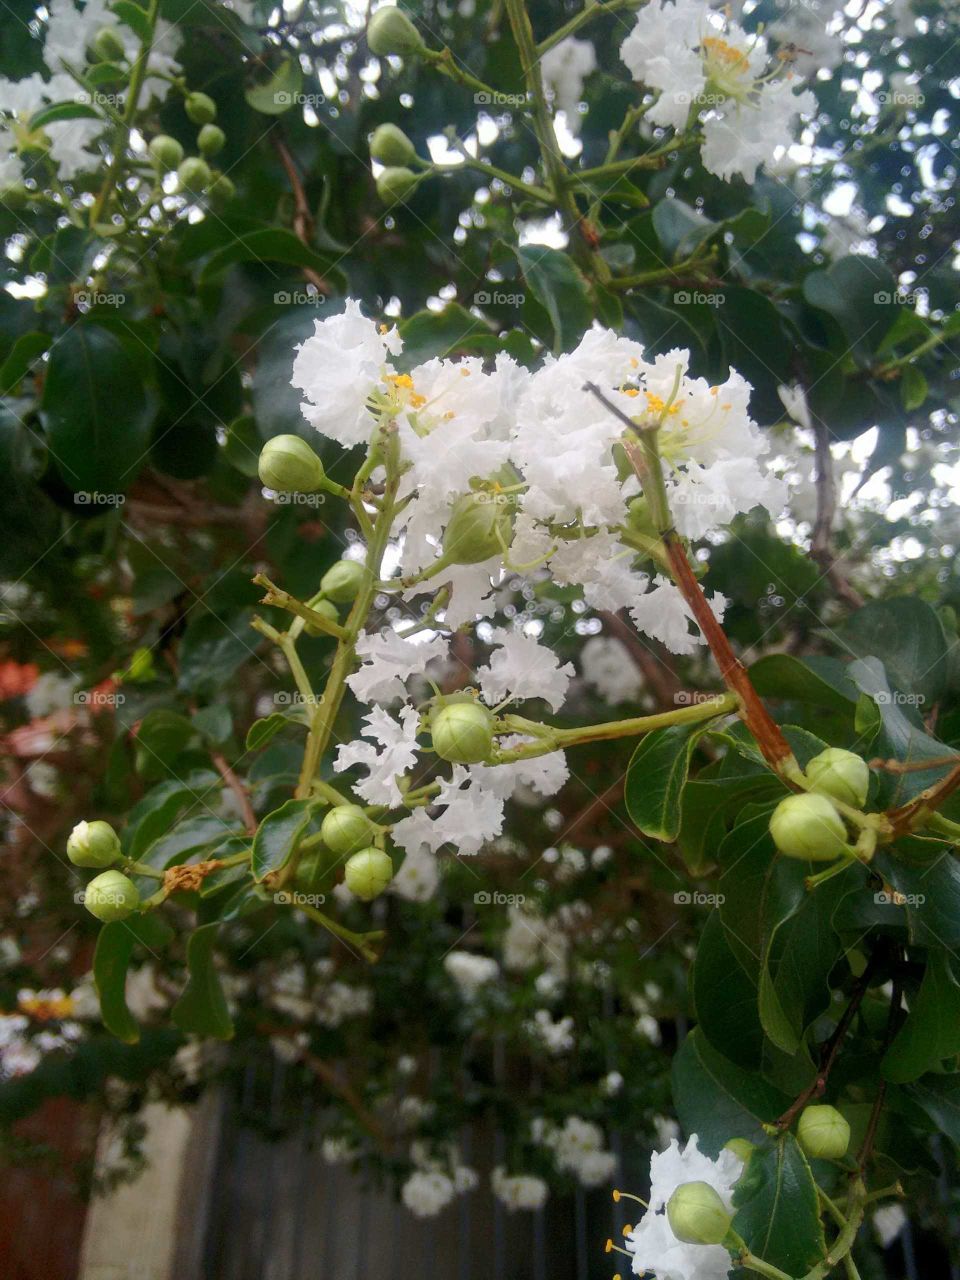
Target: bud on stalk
(288,465)
(368,873)
(390,146)
(166,152)
(343,580)
(479,527)
(462,732)
(841,775)
(391,31)
(346,829)
(111,896)
(394,185)
(823,1133)
(697,1214)
(808,827)
(93,844)
(200,108)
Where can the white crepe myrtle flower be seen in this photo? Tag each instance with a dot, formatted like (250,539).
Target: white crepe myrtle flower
(607,667)
(518,1190)
(556,1036)
(426,1192)
(652,1243)
(702,63)
(611,1084)
(397,739)
(418,876)
(388,660)
(794,401)
(544,774)
(70,30)
(564,68)
(522,667)
(470,972)
(578,1149)
(339,368)
(663,613)
(471,815)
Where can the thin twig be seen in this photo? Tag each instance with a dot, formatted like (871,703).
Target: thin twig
(821,547)
(303,223)
(239,790)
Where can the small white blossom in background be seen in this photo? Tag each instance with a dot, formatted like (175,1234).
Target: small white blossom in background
(419,875)
(577,1148)
(611,1084)
(337,1150)
(652,1242)
(426,1192)
(518,1190)
(607,667)
(470,972)
(888,1222)
(564,68)
(556,1037)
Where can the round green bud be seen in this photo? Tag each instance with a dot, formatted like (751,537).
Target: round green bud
(697,1214)
(111,896)
(741,1148)
(396,184)
(808,827)
(368,873)
(391,31)
(288,465)
(93,844)
(841,775)
(108,46)
(823,1133)
(166,152)
(479,527)
(346,828)
(210,139)
(328,610)
(343,580)
(390,146)
(200,108)
(462,732)
(194,175)
(222,190)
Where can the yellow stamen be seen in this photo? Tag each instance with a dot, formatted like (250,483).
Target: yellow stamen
(46,1010)
(726,53)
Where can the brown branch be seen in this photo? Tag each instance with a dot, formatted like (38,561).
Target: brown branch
(893,1020)
(930,800)
(350,1097)
(821,548)
(303,223)
(239,790)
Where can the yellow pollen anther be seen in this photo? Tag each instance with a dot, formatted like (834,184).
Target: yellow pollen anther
(464,373)
(728,54)
(656,404)
(401,380)
(616,1197)
(630,391)
(626,1228)
(45,1010)
(714,391)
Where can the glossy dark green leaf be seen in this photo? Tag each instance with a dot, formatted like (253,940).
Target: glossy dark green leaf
(930,894)
(213,647)
(26,351)
(277,836)
(718,1100)
(680,228)
(907,635)
(280,92)
(859,293)
(939,1096)
(95,411)
(62,111)
(437,334)
(778,1210)
(272,244)
(558,285)
(161,737)
(133,16)
(115,947)
(262,731)
(914,387)
(202,1008)
(820,681)
(931,1032)
(656,777)
(725,998)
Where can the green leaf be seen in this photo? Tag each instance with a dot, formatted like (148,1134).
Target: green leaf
(278,94)
(680,228)
(931,896)
(913,387)
(558,285)
(95,411)
(270,244)
(157,811)
(214,723)
(907,634)
(242,445)
(202,1008)
(655,779)
(213,648)
(262,731)
(115,947)
(801,949)
(931,1032)
(161,737)
(818,680)
(26,351)
(718,1100)
(63,111)
(858,292)
(133,16)
(437,334)
(939,1096)
(277,836)
(778,1210)
(725,998)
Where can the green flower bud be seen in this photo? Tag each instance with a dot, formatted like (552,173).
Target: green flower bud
(194,175)
(697,1215)
(328,610)
(390,146)
(346,828)
(222,189)
(823,1133)
(840,774)
(462,732)
(740,1148)
(166,152)
(396,184)
(391,31)
(368,873)
(93,844)
(288,465)
(479,527)
(111,896)
(343,580)
(210,139)
(108,46)
(200,108)
(808,827)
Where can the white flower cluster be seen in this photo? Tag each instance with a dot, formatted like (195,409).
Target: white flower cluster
(518,1190)
(705,66)
(537,457)
(435,1182)
(564,69)
(322,999)
(652,1242)
(68,32)
(577,1148)
(45,1021)
(470,972)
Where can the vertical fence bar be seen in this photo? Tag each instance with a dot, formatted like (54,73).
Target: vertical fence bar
(499,1155)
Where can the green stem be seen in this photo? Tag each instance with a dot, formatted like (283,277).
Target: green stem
(363,942)
(662,275)
(752,1263)
(444,62)
(587,14)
